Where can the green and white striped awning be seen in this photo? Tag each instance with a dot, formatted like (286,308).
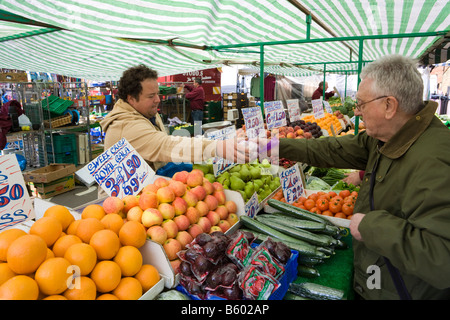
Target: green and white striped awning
(97,40)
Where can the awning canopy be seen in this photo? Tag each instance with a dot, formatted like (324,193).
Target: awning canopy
(97,40)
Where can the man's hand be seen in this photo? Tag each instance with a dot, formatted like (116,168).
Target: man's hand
(354,225)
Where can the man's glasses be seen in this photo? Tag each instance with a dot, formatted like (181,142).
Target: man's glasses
(359,105)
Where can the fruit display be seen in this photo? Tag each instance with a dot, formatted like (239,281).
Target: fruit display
(245,178)
(326,122)
(301,129)
(332,204)
(346,108)
(96,257)
(218,266)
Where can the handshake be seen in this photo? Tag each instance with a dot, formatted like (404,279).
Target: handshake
(242,150)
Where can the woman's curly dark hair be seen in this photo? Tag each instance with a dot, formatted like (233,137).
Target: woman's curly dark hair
(130,82)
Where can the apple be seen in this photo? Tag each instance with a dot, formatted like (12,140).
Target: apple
(217,186)
(199,191)
(167,210)
(135,214)
(178,188)
(113,205)
(171,228)
(213,217)
(182,222)
(175,265)
(212,202)
(151,217)
(220,196)
(232,218)
(129,202)
(148,200)
(165,194)
(215,229)
(161,182)
(180,176)
(222,211)
(194,178)
(172,247)
(193,214)
(150,188)
(157,234)
(202,208)
(208,186)
(190,198)
(224,225)
(204,223)
(291,135)
(231,206)
(180,206)
(184,238)
(194,230)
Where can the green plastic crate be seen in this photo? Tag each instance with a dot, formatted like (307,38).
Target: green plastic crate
(56,106)
(63,157)
(61,143)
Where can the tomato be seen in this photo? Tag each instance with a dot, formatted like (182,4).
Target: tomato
(316,210)
(335,206)
(322,204)
(301,200)
(347,209)
(344,193)
(332,194)
(309,204)
(340,215)
(327,213)
(313,196)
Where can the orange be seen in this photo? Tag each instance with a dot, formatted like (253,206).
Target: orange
(83,256)
(129,259)
(5,273)
(106,275)
(50,254)
(93,211)
(26,253)
(48,228)
(106,244)
(129,288)
(113,221)
(60,246)
(107,296)
(83,289)
(148,276)
(55,297)
(20,287)
(6,238)
(87,227)
(52,276)
(61,213)
(133,234)
(72,228)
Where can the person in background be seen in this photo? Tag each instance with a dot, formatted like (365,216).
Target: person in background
(400,225)
(319,92)
(196,97)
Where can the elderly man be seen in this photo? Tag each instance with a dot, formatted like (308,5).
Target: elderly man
(400,228)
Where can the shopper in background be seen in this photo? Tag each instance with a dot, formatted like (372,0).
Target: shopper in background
(401,219)
(319,92)
(354,178)
(135,117)
(196,97)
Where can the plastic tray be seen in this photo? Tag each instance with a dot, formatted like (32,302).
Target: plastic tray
(290,274)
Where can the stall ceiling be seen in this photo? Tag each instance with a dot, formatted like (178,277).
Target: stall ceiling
(97,40)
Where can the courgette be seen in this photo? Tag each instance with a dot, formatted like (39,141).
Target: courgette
(302,247)
(315,239)
(297,212)
(315,291)
(307,272)
(309,225)
(291,296)
(309,261)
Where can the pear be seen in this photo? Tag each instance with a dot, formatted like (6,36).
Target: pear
(255,172)
(245,172)
(203,167)
(210,177)
(265,163)
(249,189)
(236,168)
(236,183)
(244,195)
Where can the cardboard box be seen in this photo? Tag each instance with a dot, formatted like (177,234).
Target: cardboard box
(49,173)
(47,190)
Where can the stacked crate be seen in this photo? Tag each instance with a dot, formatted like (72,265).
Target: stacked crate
(235,100)
(64,149)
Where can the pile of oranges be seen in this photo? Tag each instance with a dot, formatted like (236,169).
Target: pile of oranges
(339,205)
(326,122)
(96,257)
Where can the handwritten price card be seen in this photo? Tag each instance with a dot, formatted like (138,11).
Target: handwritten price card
(120,170)
(252,206)
(327,107)
(221,165)
(293,109)
(275,115)
(254,123)
(15,203)
(318,108)
(292,183)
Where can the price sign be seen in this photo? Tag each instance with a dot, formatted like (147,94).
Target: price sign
(327,107)
(120,170)
(252,206)
(293,109)
(15,203)
(318,108)
(275,115)
(254,123)
(221,165)
(292,183)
